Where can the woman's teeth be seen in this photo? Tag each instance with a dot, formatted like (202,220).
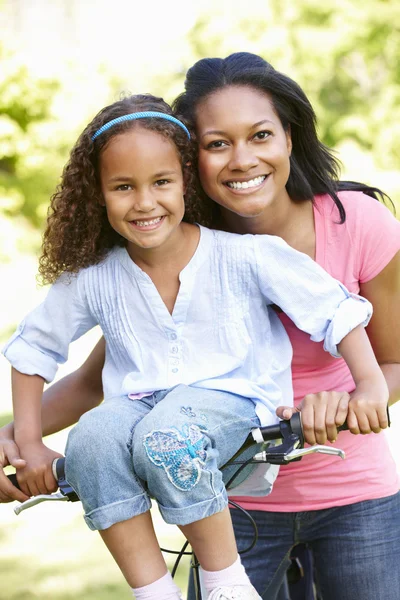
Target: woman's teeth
(147,223)
(240,185)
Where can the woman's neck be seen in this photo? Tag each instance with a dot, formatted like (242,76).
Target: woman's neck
(294,223)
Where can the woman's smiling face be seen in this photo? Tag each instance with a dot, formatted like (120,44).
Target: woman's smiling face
(243,151)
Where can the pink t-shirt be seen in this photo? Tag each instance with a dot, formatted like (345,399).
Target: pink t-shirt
(353,253)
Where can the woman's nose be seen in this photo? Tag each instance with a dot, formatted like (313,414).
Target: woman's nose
(242,158)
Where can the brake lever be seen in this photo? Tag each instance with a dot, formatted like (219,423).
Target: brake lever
(317,449)
(65,491)
(296,454)
(58,496)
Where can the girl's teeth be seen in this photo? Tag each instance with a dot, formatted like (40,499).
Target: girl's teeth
(242,185)
(147,223)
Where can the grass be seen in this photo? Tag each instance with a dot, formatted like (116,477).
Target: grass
(48,553)
(6,418)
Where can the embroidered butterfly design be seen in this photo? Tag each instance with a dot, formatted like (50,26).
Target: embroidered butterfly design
(180,453)
(188,412)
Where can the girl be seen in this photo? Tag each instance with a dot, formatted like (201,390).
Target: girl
(196,356)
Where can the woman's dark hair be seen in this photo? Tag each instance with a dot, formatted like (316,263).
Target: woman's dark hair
(78,233)
(313,167)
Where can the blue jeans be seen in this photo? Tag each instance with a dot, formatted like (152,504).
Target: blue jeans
(356,549)
(168,446)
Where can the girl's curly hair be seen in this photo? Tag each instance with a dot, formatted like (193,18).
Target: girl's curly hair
(78,233)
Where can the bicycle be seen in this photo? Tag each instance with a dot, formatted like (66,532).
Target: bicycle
(290,449)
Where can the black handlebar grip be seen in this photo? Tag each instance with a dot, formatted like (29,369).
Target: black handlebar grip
(13,479)
(345,427)
(58,469)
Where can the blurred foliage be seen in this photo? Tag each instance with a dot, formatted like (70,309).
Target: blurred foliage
(344,53)
(30,149)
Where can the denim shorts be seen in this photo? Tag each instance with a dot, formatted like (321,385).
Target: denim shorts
(168,446)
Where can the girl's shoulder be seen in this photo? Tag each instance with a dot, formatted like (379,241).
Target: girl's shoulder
(109,260)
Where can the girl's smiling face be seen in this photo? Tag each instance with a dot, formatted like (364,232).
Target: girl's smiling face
(142,185)
(244,151)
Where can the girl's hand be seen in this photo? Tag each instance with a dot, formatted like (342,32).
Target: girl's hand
(37,477)
(368,407)
(321,415)
(9,455)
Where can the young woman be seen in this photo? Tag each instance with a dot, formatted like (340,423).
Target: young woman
(348,511)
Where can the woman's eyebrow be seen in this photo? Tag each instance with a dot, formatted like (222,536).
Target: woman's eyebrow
(220,132)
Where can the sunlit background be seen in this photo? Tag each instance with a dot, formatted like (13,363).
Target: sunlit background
(60,62)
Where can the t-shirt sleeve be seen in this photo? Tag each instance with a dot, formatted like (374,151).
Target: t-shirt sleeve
(42,339)
(316,302)
(379,237)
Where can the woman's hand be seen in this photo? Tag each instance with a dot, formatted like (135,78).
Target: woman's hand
(37,476)
(321,415)
(9,455)
(368,407)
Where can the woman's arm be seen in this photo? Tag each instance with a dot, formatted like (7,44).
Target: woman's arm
(67,400)
(383,291)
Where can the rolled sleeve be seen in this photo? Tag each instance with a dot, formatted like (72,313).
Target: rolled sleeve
(316,302)
(29,360)
(42,340)
(353,311)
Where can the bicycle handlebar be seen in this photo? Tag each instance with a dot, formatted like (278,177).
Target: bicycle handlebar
(290,432)
(280,430)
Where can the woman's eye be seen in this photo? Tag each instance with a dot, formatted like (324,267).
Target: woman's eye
(262,135)
(216,144)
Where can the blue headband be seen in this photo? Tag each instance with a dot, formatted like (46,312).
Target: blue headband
(140,115)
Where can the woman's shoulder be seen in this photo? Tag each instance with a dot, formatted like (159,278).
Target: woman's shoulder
(368,239)
(357,205)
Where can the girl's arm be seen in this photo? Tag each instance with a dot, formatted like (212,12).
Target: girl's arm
(368,403)
(323,412)
(36,477)
(63,404)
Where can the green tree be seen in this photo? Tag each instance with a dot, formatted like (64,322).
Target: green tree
(30,148)
(344,53)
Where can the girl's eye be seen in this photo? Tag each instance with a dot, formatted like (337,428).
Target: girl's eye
(216,144)
(262,135)
(160,182)
(124,187)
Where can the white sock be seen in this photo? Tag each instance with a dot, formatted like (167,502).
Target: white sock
(233,575)
(164,588)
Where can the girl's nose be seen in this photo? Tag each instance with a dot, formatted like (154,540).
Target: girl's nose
(144,201)
(242,158)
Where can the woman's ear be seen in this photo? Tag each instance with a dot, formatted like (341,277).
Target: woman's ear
(186,175)
(289,143)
